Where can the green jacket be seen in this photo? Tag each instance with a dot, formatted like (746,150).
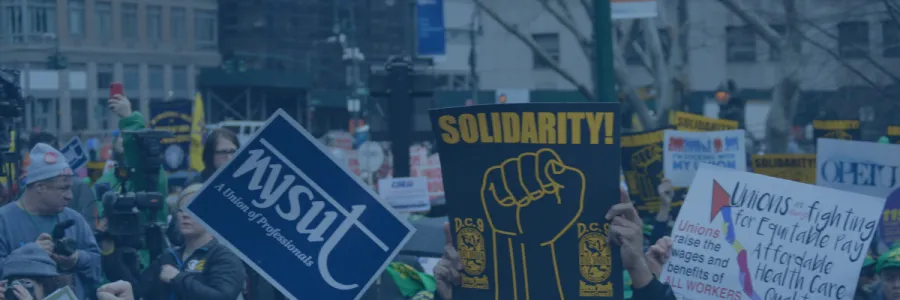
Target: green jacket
(135,121)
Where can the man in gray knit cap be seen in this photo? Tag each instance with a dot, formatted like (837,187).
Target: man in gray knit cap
(31,266)
(48,190)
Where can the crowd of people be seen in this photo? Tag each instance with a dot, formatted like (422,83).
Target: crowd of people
(34,261)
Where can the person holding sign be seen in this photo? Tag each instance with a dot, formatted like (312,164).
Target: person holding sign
(202,269)
(888,269)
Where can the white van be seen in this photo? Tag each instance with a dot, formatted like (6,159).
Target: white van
(243,129)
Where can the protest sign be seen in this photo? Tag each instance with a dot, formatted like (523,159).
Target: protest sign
(890,219)
(690,122)
(642,164)
(307,225)
(75,154)
(683,152)
(405,194)
(526,187)
(748,236)
(174,116)
(836,129)
(893,134)
(861,167)
(796,167)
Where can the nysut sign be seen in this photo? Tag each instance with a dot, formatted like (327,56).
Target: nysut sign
(299,219)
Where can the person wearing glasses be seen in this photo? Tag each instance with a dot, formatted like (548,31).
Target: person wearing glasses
(200,269)
(42,206)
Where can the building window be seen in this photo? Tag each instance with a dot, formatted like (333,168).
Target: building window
(42,17)
(129,21)
(157,76)
(740,44)
(103,19)
(853,39)
(79,114)
(205,26)
(549,42)
(104,76)
(179,24)
(131,77)
(154,23)
(12,21)
(890,39)
(76,18)
(179,79)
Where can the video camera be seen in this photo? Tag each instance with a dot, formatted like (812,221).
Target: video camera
(131,211)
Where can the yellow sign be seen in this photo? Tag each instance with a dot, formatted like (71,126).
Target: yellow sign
(472,254)
(836,129)
(796,167)
(642,163)
(696,123)
(893,133)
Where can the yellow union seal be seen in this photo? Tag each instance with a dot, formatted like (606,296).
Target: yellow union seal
(470,244)
(594,257)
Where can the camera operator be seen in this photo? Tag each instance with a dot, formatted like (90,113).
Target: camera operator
(126,152)
(202,269)
(29,273)
(41,208)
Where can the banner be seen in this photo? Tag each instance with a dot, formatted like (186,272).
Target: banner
(747,236)
(893,134)
(684,152)
(690,122)
(890,219)
(861,167)
(75,154)
(795,167)
(642,164)
(173,116)
(527,186)
(836,129)
(308,226)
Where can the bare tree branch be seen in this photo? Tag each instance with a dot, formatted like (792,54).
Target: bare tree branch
(843,62)
(759,26)
(584,41)
(867,57)
(566,9)
(589,8)
(535,48)
(893,10)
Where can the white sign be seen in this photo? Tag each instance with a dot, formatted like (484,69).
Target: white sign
(684,152)
(748,236)
(64,293)
(405,194)
(513,96)
(860,167)
(371,156)
(74,153)
(633,9)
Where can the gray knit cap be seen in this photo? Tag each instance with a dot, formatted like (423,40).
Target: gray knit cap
(46,163)
(29,260)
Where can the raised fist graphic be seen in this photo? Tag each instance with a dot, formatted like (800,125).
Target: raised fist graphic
(530,201)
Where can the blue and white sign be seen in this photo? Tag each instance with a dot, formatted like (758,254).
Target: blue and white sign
(302,221)
(861,167)
(684,152)
(406,194)
(74,153)
(430,28)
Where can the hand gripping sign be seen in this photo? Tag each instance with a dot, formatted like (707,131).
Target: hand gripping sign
(527,210)
(298,218)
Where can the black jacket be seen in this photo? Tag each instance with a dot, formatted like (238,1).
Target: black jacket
(210,273)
